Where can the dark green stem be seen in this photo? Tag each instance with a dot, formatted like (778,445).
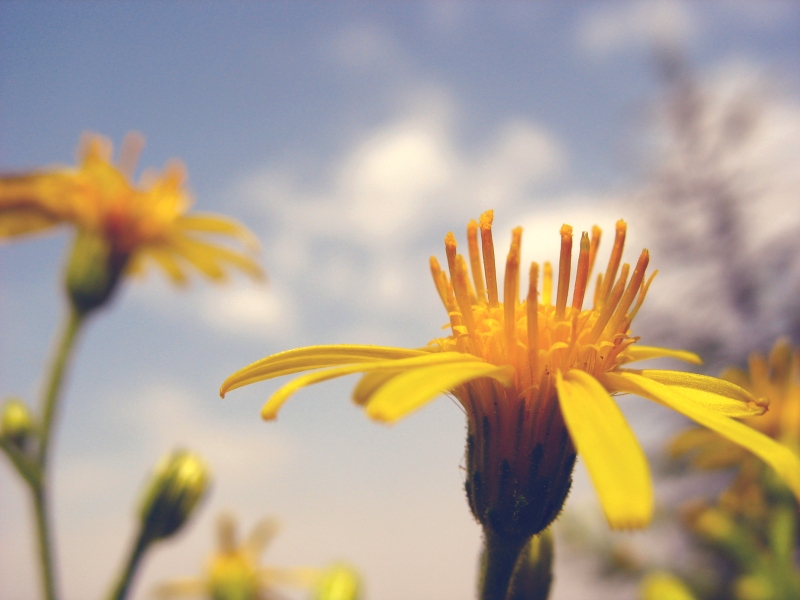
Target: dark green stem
(497,564)
(120,589)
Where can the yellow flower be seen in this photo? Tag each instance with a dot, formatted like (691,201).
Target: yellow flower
(777,378)
(535,377)
(233,571)
(138,223)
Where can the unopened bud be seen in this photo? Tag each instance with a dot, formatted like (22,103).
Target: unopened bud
(663,586)
(339,582)
(93,271)
(533,573)
(176,486)
(16,425)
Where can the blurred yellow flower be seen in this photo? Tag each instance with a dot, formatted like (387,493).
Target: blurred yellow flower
(139,223)
(233,571)
(777,378)
(535,379)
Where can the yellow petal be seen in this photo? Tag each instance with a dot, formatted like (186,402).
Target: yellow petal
(411,390)
(369,383)
(165,260)
(270,409)
(311,357)
(212,223)
(780,458)
(719,395)
(636,352)
(604,440)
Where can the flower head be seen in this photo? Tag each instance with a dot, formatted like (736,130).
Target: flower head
(535,377)
(233,571)
(777,378)
(121,225)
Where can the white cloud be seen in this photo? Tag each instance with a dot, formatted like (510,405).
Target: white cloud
(615,27)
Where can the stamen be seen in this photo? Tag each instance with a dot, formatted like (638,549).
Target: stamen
(436,271)
(489,265)
(595,244)
(472,297)
(462,297)
(597,287)
(613,261)
(608,309)
(547,284)
(630,293)
(564,267)
(132,145)
(475,261)
(532,307)
(642,294)
(511,293)
(582,276)
(450,247)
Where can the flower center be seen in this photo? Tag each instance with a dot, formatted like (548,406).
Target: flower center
(536,336)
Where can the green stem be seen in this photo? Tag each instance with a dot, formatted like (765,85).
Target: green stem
(497,564)
(53,389)
(120,590)
(43,539)
(39,487)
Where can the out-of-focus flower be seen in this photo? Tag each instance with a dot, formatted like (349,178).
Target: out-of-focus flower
(663,586)
(233,571)
(535,379)
(533,573)
(120,225)
(777,378)
(339,582)
(176,486)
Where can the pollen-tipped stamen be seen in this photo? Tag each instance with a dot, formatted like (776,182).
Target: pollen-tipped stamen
(450,248)
(511,293)
(473,297)
(593,246)
(532,307)
(460,287)
(630,294)
(547,284)
(564,267)
(582,274)
(436,272)
(475,261)
(489,265)
(608,309)
(642,294)
(613,263)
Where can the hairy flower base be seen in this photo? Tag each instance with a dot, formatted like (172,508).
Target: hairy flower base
(536,378)
(516,481)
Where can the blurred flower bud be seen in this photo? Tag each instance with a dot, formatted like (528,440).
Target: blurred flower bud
(232,576)
(533,573)
(92,272)
(339,582)
(16,425)
(176,485)
(663,586)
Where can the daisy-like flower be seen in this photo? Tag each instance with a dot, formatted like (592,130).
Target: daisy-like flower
(121,225)
(777,378)
(233,571)
(536,378)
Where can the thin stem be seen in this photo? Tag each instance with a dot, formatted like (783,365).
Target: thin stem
(120,589)
(43,540)
(39,487)
(55,380)
(497,564)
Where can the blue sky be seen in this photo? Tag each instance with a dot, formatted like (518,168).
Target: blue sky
(350,137)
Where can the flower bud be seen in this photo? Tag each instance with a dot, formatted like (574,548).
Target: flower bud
(93,271)
(339,582)
(176,486)
(16,425)
(533,573)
